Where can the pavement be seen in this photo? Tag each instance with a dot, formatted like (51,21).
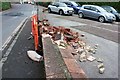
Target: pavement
(108,49)
(18,65)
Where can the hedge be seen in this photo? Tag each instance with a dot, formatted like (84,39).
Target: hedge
(45,4)
(5,5)
(116,5)
(0,6)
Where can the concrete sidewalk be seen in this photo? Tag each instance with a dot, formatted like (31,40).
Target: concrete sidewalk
(107,50)
(18,65)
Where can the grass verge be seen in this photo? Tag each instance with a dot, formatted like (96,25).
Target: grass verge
(5,6)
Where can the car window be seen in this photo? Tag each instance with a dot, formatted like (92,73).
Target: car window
(74,3)
(107,9)
(93,9)
(68,3)
(101,9)
(87,7)
(62,5)
(57,4)
(53,4)
(113,9)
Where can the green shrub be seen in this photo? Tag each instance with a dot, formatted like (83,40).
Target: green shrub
(0,6)
(45,4)
(5,5)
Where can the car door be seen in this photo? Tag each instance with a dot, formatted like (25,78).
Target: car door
(94,12)
(53,6)
(86,10)
(57,7)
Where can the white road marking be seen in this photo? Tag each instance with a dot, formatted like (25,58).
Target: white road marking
(15,17)
(117,23)
(5,56)
(114,23)
(106,24)
(105,29)
(82,24)
(94,26)
(14,32)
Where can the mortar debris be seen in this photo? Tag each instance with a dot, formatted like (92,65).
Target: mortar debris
(64,37)
(101,68)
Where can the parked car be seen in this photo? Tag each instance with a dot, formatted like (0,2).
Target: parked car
(73,5)
(60,8)
(96,12)
(113,11)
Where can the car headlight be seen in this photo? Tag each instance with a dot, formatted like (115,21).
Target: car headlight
(110,16)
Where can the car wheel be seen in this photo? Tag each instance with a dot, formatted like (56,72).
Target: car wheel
(61,12)
(117,18)
(80,15)
(101,19)
(49,10)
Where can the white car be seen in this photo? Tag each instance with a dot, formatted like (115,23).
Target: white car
(60,8)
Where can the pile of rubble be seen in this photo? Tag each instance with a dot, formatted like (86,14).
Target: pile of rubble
(64,37)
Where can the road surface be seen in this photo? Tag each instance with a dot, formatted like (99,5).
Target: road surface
(110,31)
(18,64)
(12,18)
(104,34)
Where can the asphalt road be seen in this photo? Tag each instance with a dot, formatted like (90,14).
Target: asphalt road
(18,64)
(13,17)
(110,31)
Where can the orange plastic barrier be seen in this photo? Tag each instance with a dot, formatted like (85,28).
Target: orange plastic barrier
(35,31)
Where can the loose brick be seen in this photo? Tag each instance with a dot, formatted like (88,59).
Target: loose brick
(72,66)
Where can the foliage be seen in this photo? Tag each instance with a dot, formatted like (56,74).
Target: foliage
(5,5)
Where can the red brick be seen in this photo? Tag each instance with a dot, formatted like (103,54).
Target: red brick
(66,53)
(78,76)
(55,76)
(72,66)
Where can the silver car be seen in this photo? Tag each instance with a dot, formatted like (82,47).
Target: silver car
(96,12)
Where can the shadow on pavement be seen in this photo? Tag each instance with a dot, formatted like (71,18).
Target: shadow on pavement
(18,64)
